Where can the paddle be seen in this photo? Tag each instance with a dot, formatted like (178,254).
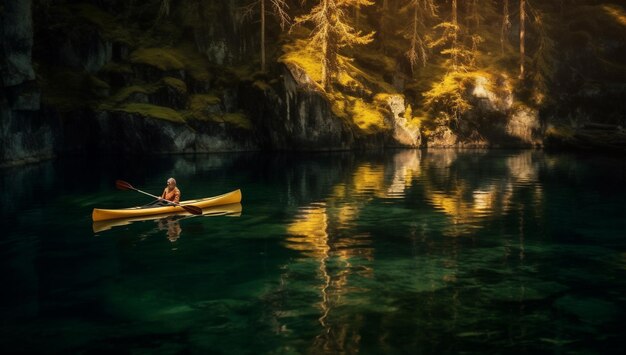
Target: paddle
(123,185)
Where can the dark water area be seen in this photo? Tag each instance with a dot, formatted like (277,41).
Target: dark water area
(436,251)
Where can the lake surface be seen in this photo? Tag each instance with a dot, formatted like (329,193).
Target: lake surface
(436,251)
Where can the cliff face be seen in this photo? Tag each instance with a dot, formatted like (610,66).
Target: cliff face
(24,135)
(100,77)
(104,93)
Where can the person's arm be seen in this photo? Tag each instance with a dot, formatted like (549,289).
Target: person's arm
(177,196)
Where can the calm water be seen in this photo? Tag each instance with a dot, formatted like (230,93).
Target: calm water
(401,252)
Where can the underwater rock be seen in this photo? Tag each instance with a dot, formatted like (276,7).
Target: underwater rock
(587,309)
(523,291)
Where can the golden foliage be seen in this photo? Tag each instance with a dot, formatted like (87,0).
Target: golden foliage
(448,95)
(616,13)
(367,117)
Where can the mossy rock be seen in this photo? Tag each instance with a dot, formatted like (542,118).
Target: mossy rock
(368,117)
(151,111)
(238,119)
(261,85)
(116,68)
(195,63)
(129,93)
(309,61)
(98,87)
(176,84)
(184,57)
(164,59)
(201,102)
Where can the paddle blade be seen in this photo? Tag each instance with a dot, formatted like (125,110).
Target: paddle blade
(123,185)
(192,209)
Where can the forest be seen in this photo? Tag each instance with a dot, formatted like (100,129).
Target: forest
(432,72)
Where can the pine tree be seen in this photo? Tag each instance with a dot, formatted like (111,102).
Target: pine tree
(506,24)
(279,10)
(164,9)
(542,61)
(452,41)
(522,33)
(332,31)
(421,9)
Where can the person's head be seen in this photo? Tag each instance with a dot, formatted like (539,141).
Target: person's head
(171,183)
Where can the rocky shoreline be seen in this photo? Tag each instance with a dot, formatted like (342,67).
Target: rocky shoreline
(120,99)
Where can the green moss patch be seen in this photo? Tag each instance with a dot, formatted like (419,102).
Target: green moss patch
(176,84)
(261,85)
(117,68)
(161,58)
(194,62)
(184,57)
(151,111)
(199,103)
(309,61)
(124,93)
(237,119)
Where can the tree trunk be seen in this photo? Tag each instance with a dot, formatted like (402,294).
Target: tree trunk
(263,35)
(522,32)
(505,24)
(455,22)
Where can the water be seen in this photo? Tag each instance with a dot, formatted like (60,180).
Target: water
(398,252)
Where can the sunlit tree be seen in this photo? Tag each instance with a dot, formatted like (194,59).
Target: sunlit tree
(451,42)
(332,31)
(522,34)
(421,10)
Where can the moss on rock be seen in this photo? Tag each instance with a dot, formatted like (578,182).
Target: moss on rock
(117,68)
(151,111)
(184,57)
(368,117)
(176,84)
(161,58)
(237,119)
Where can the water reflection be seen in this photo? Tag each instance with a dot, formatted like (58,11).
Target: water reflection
(171,226)
(464,189)
(470,200)
(439,251)
(168,223)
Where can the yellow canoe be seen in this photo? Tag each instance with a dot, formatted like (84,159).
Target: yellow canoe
(225,199)
(230,210)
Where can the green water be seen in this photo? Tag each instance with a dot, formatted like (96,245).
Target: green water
(397,252)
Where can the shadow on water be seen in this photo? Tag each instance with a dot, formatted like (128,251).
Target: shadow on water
(401,251)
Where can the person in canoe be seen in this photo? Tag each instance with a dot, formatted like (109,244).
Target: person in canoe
(171,193)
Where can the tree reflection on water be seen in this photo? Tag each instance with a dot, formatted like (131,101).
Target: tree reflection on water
(329,233)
